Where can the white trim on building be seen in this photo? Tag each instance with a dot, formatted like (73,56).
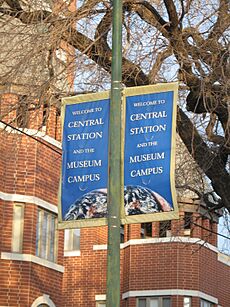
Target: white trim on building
(170,292)
(33,259)
(167,292)
(224,258)
(29,199)
(72,253)
(33,132)
(161,240)
(100,297)
(44,299)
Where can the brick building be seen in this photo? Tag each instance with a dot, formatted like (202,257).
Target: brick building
(163,264)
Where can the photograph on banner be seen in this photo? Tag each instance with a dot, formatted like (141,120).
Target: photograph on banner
(149,153)
(84,173)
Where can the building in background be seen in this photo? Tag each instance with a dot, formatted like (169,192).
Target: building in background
(163,264)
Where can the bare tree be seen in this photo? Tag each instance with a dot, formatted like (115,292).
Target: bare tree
(50,48)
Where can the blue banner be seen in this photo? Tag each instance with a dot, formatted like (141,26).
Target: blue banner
(148,155)
(85,160)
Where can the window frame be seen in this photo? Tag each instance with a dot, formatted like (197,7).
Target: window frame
(17,234)
(159,298)
(188,218)
(205,303)
(70,245)
(45,253)
(187,302)
(165,229)
(22,112)
(122,233)
(146,230)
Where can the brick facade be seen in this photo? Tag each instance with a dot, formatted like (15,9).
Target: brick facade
(177,266)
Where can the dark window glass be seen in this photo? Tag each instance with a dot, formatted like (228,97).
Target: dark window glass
(22,113)
(165,226)
(166,302)
(122,236)
(187,220)
(146,230)
(142,302)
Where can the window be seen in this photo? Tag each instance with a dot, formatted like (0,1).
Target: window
(204,303)
(154,302)
(187,220)
(165,229)
(122,234)
(146,230)
(187,223)
(45,114)
(72,240)
(187,302)
(22,112)
(17,230)
(101,304)
(43,301)
(46,235)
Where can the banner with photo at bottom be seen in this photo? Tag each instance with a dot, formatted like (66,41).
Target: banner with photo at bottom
(149,117)
(84,172)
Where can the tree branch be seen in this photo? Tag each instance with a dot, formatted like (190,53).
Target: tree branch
(131,73)
(159,61)
(14,4)
(172,13)
(218,139)
(103,29)
(150,15)
(211,164)
(222,22)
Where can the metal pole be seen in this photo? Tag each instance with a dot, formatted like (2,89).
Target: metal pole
(114,193)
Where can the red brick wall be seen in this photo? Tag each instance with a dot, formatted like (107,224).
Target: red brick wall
(162,266)
(27,168)
(23,282)
(208,271)
(157,266)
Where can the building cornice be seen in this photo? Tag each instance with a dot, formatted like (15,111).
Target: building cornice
(33,259)
(161,240)
(170,292)
(29,199)
(32,132)
(224,258)
(164,292)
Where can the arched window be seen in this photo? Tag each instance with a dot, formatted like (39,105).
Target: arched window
(43,301)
